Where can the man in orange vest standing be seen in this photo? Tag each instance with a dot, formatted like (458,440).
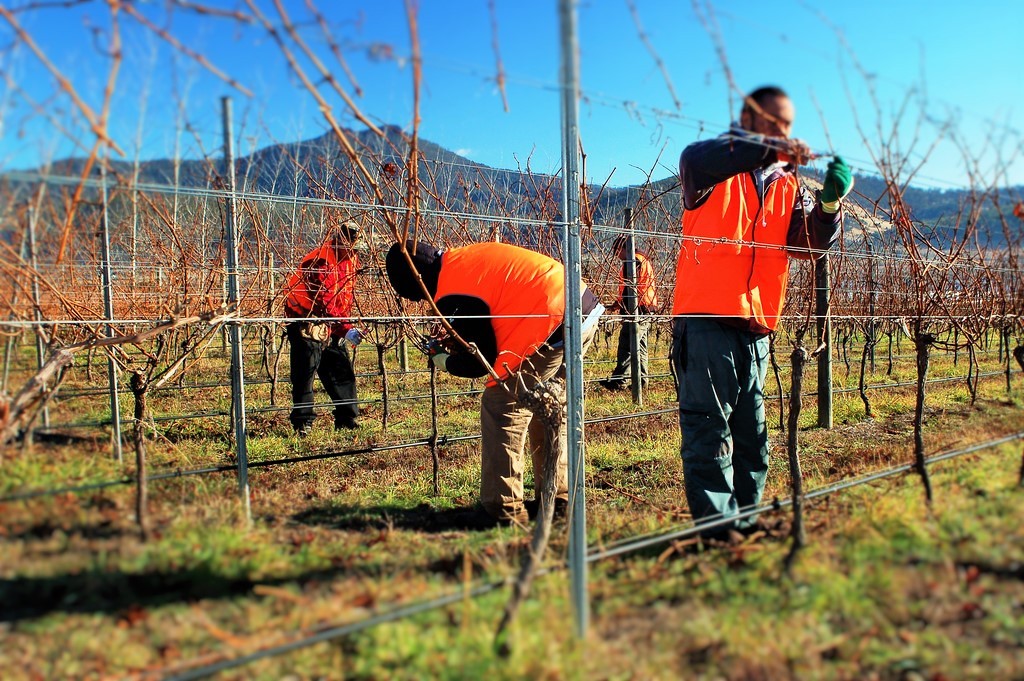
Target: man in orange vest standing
(509,302)
(319,298)
(745,213)
(646,305)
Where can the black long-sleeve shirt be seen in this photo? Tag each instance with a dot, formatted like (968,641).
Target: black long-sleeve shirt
(470,317)
(707,163)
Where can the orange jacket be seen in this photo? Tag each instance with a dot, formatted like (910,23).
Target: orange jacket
(524,291)
(323,286)
(740,279)
(647,294)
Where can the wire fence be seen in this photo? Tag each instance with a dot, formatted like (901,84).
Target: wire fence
(71,400)
(200,669)
(93,254)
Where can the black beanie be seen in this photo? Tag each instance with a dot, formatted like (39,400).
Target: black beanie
(427,260)
(348,231)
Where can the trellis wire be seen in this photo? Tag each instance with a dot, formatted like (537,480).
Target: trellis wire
(442,440)
(591,556)
(371,208)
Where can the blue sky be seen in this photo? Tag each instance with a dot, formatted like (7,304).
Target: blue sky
(961,60)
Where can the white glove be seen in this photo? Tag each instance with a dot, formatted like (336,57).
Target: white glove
(354,336)
(440,360)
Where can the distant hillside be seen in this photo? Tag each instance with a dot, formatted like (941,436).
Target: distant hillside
(319,168)
(945,209)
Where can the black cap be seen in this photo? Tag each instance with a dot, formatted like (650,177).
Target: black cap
(427,261)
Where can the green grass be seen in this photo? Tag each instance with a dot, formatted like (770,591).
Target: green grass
(885,587)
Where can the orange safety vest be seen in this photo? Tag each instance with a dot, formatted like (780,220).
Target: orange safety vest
(737,279)
(647,294)
(524,290)
(322,275)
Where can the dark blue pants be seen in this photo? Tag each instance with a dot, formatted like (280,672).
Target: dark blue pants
(721,371)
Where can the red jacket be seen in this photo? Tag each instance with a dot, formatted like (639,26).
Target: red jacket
(323,286)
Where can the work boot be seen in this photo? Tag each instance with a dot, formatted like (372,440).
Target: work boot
(722,537)
(561,508)
(346,424)
(512,516)
(301,431)
(612,384)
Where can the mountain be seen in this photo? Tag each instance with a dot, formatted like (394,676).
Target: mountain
(461,188)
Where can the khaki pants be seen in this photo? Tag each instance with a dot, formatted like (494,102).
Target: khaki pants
(504,427)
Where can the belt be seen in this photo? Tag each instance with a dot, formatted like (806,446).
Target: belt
(592,310)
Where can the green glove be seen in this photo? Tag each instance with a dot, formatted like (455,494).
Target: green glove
(837,184)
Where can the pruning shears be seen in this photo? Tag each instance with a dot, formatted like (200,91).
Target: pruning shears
(429,346)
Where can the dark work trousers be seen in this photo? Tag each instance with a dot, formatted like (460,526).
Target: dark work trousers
(721,372)
(334,367)
(621,372)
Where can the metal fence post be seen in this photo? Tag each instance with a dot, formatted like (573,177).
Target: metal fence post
(107,280)
(8,349)
(36,304)
(271,295)
(403,355)
(872,297)
(629,299)
(225,298)
(234,326)
(16,332)
(569,81)
(822,288)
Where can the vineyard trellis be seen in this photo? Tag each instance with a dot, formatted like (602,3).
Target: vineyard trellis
(594,555)
(182,265)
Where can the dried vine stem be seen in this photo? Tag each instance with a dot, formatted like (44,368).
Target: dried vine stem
(799,360)
(646,40)
(922,342)
(778,380)
(434,456)
(333,45)
(94,121)
(499,76)
(139,384)
(385,388)
(325,108)
(547,402)
(35,394)
(868,351)
(325,73)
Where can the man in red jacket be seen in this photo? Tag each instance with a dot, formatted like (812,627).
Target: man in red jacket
(319,299)
(745,214)
(509,302)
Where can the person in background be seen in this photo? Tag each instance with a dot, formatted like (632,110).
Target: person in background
(646,305)
(318,299)
(744,214)
(510,302)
